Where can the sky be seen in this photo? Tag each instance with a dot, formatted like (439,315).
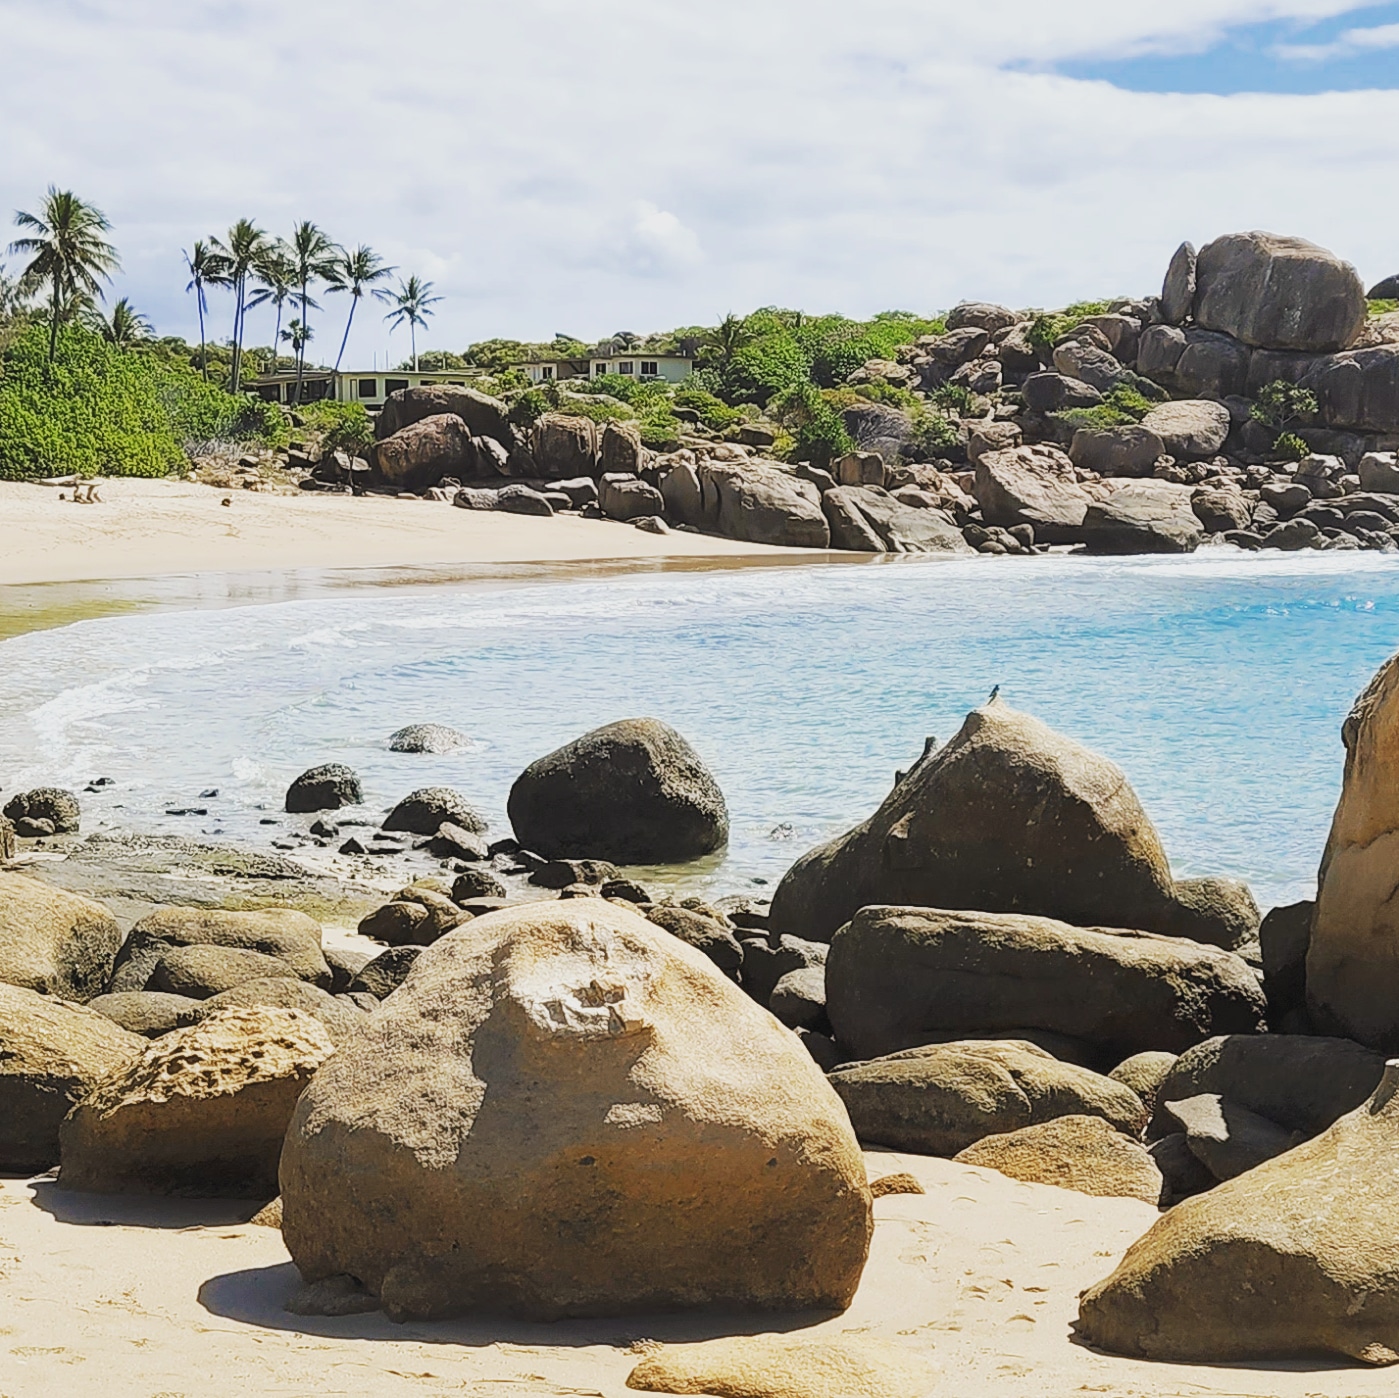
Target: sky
(553,166)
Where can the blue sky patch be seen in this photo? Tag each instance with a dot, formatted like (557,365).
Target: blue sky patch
(1356,50)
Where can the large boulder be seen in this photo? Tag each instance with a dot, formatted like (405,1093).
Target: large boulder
(981,315)
(867,519)
(54,942)
(199,972)
(1143,517)
(634,792)
(625,497)
(895,977)
(428,737)
(325,788)
(291,937)
(1082,1153)
(1034,485)
(483,415)
(1301,1082)
(46,810)
(566,1111)
(1358,390)
(1131,450)
(565,446)
(762,503)
(1294,1258)
(1353,955)
(1051,392)
(340,1019)
(418,456)
(149,1013)
(941,1098)
(52,1054)
(1278,293)
(1086,362)
(424,811)
(202,1112)
(1191,429)
(1178,289)
(1009,816)
(1194,362)
(619,449)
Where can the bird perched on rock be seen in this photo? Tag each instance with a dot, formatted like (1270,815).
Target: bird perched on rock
(995,694)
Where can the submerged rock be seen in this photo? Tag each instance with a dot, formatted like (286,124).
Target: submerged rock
(428,737)
(324,788)
(424,811)
(565,1111)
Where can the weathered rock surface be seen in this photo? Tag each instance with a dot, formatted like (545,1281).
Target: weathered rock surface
(867,519)
(761,503)
(1226,1138)
(1190,429)
(324,788)
(1083,1153)
(898,975)
(1116,451)
(564,1111)
(1143,517)
(419,455)
(1035,486)
(198,972)
(766,962)
(941,1098)
(1009,816)
(1052,392)
(706,934)
(1359,389)
(1295,1258)
(1178,290)
(483,415)
(386,972)
(340,1020)
(51,1055)
(421,812)
(1283,938)
(428,737)
(201,1112)
(149,1013)
(634,792)
(565,446)
(45,803)
(1278,293)
(780,1366)
(54,942)
(798,1000)
(1353,956)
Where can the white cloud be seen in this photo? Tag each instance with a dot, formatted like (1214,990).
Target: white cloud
(1348,44)
(558,167)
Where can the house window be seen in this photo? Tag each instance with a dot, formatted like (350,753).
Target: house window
(599,370)
(369,388)
(648,368)
(394,386)
(547,372)
(624,367)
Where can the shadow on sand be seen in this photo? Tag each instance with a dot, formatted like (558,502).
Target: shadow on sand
(258,1296)
(139,1210)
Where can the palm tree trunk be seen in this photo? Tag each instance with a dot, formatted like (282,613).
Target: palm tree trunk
(345,339)
(238,332)
(203,353)
(300,348)
(413,336)
(53,322)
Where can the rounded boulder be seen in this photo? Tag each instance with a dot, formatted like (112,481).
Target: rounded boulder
(324,788)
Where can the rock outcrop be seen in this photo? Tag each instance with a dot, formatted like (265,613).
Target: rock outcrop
(52,941)
(868,519)
(428,737)
(46,810)
(761,503)
(483,415)
(423,811)
(1032,485)
(634,792)
(1143,517)
(201,1112)
(324,788)
(896,977)
(566,1111)
(941,1098)
(1009,816)
(420,455)
(1353,955)
(52,1054)
(1295,1258)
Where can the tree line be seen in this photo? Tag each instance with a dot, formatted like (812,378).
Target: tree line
(70,260)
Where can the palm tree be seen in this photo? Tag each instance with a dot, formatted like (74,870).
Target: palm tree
(297,334)
(313,258)
(730,336)
(125,326)
(67,252)
(206,268)
(411,303)
(273,273)
(355,272)
(246,244)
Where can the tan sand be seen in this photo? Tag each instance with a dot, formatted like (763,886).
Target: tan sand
(145,528)
(168,1299)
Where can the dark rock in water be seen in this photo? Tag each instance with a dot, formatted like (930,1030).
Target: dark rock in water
(52,1054)
(897,975)
(338,1017)
(324,788)
(635,792)
(1226,1138)
(326,829)
(476,883)
(54,942)
(50,803)
(1302,1082)
(428,737)
(627,889)
(940,1099)
(199,972)
(149,1013)
(421,812)
(354,846)
(345,964)
(705,934)
(382,976)
(1284,936)
(1009,816)
(559,873)
(799,999)
(452,842)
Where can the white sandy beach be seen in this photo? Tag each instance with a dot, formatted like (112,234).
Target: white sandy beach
(147,528)
(137,1298)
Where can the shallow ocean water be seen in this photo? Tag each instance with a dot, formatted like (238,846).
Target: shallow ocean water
(1218,682)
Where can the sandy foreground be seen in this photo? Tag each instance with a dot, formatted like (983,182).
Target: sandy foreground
(144,528)
(182,1299)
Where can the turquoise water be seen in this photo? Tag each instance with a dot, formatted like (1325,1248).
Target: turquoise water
(1218,682)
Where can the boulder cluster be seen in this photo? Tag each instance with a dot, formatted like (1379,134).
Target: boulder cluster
(1253,402)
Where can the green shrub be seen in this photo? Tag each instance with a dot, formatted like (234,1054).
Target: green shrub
(953,398)
(765,369)
(345,426)
(1382,306)
(98,410)
(893,394)
(818,434)
(933,433)
(531,405)
(1280,404)
(660,430)
(1123,406)
(1290,447)
(628,388)
(713,412)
